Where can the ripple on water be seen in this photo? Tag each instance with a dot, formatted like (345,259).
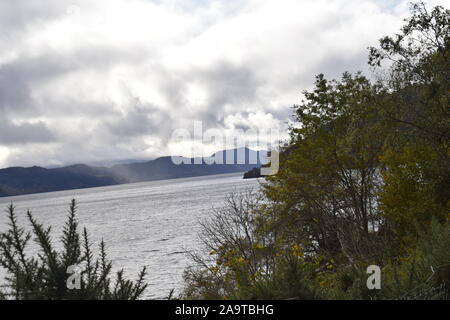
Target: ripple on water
(150,223)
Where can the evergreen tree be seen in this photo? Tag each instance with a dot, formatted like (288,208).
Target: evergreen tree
(46,275)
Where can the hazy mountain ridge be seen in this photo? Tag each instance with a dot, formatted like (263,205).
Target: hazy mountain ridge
(18,180)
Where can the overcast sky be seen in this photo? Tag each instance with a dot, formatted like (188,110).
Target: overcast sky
(84,81)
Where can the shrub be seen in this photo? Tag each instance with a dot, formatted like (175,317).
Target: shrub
(417,275)
(45,275)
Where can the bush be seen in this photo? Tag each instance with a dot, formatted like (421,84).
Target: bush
(247,261)
(240,247)
(419,275)
(45,275)
(291,280)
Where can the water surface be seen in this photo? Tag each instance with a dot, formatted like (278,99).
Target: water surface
(150,223)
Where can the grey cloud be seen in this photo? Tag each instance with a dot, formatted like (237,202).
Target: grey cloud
(101,57)
(14,91)
(334,66)
(140,120)
(24,133)
(17,15)
(227,85)
(18,78)
(231,84)
(265,76)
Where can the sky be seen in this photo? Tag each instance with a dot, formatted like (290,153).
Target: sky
(88,81)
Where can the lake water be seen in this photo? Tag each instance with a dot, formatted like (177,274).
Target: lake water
(150,223)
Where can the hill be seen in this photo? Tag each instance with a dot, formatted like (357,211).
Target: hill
(18,180)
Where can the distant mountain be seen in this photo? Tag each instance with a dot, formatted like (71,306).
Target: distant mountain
(240,160)
(17,180)
(110,163)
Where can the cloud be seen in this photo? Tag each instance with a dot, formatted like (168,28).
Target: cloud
(18,78)
(139,120)
(14,91)
(24,133)
(84,80)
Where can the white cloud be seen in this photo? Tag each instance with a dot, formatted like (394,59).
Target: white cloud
(111,79)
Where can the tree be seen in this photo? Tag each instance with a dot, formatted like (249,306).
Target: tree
(417,114)
(45,276)
(363,180)
(329,180)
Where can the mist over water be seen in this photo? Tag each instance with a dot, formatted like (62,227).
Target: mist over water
(149,223)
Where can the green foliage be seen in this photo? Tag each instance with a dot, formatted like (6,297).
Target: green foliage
(240,247)
(45,275)
(364,180)
(416,155)
(290,280)
(329,179)
(412,276)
